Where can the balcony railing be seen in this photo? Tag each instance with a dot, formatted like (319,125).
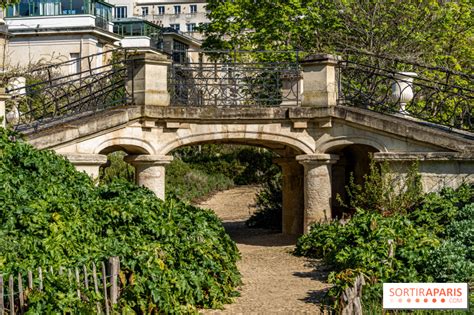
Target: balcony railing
(244,80)
(50,96)
(389,85)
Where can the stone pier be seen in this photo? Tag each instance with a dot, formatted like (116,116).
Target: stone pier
(317,187)
(150,171)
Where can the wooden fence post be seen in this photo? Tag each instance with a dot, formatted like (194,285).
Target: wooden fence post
(104,282)
(20,293)
(351,298)
(11,295)
(114,264)
(96,286)
(2,306)
(30,280)
(110,297)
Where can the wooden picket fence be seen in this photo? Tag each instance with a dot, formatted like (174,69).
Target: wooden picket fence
(104,282)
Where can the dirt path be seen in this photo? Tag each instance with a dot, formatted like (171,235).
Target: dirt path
(274,281)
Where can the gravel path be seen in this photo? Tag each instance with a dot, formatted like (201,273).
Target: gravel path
(274,281)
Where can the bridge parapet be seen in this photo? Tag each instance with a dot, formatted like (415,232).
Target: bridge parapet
(147,78)
(320,86)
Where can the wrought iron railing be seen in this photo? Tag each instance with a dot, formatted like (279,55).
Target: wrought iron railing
(394,86)
(235,78)
(80,86)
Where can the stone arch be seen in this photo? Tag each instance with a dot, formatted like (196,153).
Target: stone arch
(341,142)
(355,154)
(128,144)
(251,138)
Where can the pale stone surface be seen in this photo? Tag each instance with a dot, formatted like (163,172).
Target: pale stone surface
(150,172)
(144,130)
(3,98)
(319,80)
(317,187)
(149,86)
(88,163)
(437,169)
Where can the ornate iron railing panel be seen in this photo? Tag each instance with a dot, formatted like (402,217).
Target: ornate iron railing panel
(236,82)
(49,94)
(429,94)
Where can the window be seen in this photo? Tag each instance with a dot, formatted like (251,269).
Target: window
(175,26)
(144,11)
(179,51)
(161,10)
(120,12)
(190,27)
(177,9)
(75,65)
(193,8)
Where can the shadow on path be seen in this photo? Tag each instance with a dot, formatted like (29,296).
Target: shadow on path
(241,234)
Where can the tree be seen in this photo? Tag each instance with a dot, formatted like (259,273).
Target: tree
(379,37)
(431,31)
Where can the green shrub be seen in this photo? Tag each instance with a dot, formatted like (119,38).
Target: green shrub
(429,240)
(244,165)
(186,182)
(174,257)
(116,168)
(269,206)
(385,191)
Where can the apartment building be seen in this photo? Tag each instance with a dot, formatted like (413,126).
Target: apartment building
(51,31)
(54,31)
(183,16)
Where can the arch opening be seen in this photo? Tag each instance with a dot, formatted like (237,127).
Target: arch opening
(243,164)
(354,161)
(126,148)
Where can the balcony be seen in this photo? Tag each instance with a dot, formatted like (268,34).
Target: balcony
(54,14)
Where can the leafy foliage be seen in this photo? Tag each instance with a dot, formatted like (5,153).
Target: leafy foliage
(174,257)
(244,165)
(436,32)
(116,168)
(385,191)
(188,182)
(269,206)
(430,240)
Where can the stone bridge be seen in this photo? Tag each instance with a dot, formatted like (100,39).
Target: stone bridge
(319,142)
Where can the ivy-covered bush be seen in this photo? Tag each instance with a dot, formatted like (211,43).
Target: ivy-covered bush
(174,257)
(429,241)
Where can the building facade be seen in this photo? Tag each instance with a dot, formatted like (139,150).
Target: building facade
(52,31)
(183,16)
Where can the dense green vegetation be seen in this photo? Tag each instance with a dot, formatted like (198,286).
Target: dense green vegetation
(174,257)
(434,32)
(430,239)
(269,205)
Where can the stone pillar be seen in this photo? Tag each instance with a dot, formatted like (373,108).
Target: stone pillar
(150,171)
(320,86)
(293,196)
(3,98)
(317,187)
(89,163)
(3,43)
(148,78)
